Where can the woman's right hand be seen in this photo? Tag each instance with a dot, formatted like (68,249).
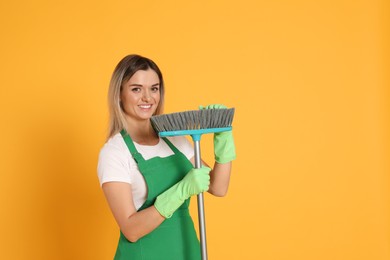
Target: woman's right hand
(195,182)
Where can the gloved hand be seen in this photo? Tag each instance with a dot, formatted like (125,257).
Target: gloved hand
(224,148)
(195,182)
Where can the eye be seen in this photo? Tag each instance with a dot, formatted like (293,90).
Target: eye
(136,90)
(155,89)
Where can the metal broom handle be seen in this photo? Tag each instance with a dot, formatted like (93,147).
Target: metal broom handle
(201,215)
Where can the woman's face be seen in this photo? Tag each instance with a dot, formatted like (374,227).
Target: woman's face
(140,95)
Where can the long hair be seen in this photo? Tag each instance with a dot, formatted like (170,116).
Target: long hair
(122,73)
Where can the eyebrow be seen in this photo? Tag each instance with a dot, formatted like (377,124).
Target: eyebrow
(140,85)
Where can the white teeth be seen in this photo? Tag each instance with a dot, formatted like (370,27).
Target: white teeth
(145,106)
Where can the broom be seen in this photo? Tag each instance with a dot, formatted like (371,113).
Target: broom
(195,123)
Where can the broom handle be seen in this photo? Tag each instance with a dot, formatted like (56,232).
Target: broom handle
(201,215)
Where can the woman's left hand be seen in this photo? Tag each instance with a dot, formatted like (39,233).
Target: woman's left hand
(224,148)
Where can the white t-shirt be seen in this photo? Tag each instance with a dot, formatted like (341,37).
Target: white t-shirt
(116,163)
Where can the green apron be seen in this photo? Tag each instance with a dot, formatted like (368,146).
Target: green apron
(175,238)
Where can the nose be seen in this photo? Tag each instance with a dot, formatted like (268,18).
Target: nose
(146,95)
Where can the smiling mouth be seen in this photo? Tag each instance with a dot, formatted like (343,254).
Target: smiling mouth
(145,106)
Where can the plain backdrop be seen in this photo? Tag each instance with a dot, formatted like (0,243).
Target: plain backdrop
(310,84)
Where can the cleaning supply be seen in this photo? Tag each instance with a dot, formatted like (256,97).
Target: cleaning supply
(224,148)
(195,182)
(196,123)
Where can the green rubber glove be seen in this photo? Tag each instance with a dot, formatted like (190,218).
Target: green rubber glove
(224,148)
(195,182)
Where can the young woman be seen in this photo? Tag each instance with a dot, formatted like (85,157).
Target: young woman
(148,180)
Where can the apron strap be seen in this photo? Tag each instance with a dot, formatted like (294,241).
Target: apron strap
(173,148)
(136,155)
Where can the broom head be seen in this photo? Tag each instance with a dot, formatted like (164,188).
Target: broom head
(207,120)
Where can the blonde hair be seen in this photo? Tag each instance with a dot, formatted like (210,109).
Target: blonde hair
(122,73)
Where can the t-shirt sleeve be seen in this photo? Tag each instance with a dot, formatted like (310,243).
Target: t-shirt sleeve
(113,165)
(183,145)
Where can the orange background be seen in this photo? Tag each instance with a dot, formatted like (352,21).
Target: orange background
(310,84)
